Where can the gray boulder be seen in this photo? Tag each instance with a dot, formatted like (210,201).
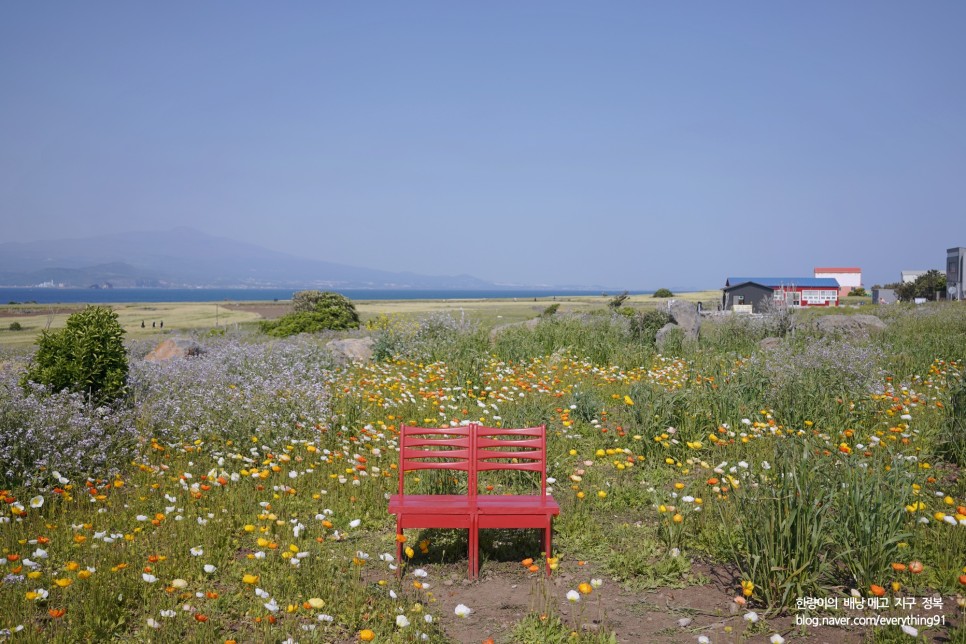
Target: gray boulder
(661,338)
(172,348)
(769,343)
(686,316)
(351,349)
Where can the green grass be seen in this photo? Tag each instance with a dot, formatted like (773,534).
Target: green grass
(805,470)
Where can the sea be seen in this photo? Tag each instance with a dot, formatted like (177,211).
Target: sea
(38,295)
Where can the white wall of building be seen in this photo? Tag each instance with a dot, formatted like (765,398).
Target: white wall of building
(847,281)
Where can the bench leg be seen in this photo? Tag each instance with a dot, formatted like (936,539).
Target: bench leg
(399,534)
(474,554)
(548,543)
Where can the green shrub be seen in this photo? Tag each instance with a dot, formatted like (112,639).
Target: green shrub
(663,292)
(314,301)
(858,291)
(314,311)
(16,326)
(550,310)
(86,356)
(646,324)
(784,530)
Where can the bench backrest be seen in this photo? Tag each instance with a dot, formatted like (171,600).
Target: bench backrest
(512,449)
(473,449)
(447,448)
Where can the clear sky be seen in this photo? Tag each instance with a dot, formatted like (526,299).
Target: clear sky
(632,144)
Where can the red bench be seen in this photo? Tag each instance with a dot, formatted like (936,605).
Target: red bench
(474,449)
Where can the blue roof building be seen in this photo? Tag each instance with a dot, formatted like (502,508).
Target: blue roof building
(756,293)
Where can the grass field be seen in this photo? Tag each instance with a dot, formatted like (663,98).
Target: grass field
(181,316)
(718,491)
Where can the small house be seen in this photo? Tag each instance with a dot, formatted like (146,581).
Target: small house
(884,296)
(791,291)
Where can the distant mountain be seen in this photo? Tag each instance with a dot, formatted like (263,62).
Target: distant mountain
(187,257)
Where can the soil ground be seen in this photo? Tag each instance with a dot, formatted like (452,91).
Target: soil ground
(505,593)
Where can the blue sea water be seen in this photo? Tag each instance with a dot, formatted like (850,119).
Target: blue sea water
(134,295)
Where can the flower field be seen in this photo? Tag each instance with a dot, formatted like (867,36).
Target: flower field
(241,494)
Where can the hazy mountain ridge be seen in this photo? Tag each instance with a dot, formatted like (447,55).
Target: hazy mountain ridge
(187,257)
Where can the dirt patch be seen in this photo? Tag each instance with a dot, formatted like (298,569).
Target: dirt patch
(20,312)
(267,310)
(506,593)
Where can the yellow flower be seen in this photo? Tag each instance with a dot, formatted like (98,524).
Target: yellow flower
(316,603)
(747,588)
(250,579)
(677,518)
(628,401)
(63,583)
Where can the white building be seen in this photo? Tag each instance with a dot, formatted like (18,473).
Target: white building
(908,277)
(848,278)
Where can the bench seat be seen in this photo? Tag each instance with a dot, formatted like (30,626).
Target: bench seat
(517,504)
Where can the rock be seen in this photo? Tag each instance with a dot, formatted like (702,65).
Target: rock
(686,316)
(174,348)
(660,339)
(352,349)
(842,324)
(769,343)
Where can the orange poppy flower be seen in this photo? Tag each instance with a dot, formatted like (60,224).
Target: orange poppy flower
(877,590)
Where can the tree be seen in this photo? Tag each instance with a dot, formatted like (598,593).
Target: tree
(86,356)
(618,300)
(663,292)
(314,311)
(858,291)
(926,286)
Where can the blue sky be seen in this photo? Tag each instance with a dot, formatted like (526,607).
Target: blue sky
(630,144)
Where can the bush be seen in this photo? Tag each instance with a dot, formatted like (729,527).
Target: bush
(550,310)
(86,356)
(315,301)
(45,436)
(314,311)
(858,291)
(663,292)
(645,325)
(16,326)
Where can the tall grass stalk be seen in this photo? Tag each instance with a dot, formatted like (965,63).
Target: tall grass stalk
(784,530)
